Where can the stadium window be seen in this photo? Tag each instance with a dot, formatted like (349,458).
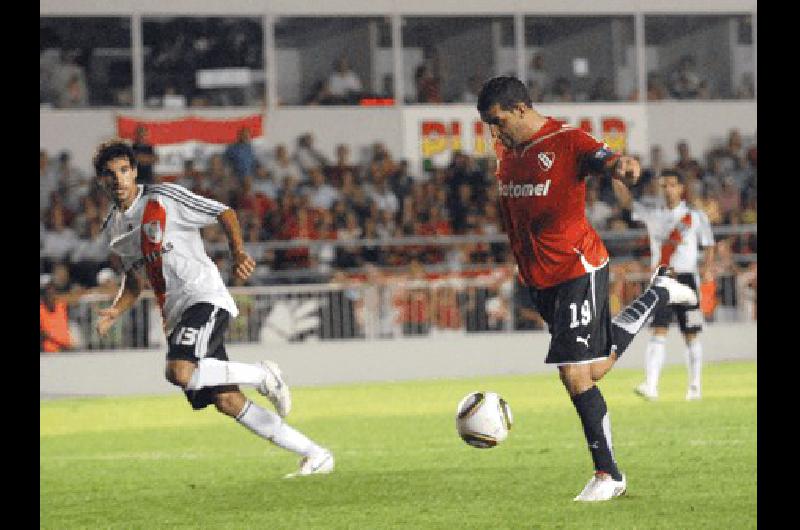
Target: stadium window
(334,61)
(203,62)
(447,59)
(692,57)
(588,58)
(85,62)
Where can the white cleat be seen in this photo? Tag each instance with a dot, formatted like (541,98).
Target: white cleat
(679,294)
(646,392)
(602,488)
(316,464)
(693,394)
(275,389)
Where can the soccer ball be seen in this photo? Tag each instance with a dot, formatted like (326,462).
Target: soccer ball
(483,419)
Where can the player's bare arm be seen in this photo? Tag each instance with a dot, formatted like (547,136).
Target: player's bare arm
(243,264)
(622,194)
(128,293)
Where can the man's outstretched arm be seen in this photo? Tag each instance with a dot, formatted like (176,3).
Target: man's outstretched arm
(128,293)
(243,264)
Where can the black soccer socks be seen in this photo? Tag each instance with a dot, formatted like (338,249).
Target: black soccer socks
(593,412)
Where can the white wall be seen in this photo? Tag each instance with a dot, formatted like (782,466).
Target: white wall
(347,361)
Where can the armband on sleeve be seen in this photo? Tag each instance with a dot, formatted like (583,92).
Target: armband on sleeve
(598,161)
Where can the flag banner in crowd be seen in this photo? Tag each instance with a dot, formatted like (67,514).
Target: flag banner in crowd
(433,133)
(190,138)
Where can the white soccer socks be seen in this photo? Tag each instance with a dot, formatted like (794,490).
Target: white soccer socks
(270,426)
(213,372)
(653,361)
(694,365)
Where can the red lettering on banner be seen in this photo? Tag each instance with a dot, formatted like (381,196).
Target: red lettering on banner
(615,133)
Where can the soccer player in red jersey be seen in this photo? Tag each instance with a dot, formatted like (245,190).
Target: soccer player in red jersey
(542,166)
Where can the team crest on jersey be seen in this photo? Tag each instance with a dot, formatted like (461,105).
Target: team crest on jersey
(153,231)
(546,160)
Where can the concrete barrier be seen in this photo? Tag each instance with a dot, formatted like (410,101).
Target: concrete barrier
(131,372)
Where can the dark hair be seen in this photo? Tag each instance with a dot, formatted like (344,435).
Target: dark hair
(111,150)
(506,91)
(672,172)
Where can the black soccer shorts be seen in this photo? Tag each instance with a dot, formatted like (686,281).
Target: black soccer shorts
(578,318)
(690,318)
(199,334)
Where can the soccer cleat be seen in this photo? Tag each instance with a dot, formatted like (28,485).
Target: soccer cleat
(602,487)
(693,393)
(646,392)
(275,389)
(677,292)
(316,464)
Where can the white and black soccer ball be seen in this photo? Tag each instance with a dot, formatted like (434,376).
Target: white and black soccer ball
(483,419)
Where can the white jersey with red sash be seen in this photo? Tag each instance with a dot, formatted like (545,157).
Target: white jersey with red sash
(675,235)
(160,235)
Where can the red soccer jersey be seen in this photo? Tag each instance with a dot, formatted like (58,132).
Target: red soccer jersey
(542,200)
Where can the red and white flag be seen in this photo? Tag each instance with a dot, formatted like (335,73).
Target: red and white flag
(190,138)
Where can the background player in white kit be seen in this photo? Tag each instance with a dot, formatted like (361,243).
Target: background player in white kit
(157,228)
(676,231)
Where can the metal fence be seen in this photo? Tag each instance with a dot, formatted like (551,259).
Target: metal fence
(388,307)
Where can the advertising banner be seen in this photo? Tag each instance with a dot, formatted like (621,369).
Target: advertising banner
(432,134)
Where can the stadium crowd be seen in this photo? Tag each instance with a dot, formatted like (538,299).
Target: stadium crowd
(284,195)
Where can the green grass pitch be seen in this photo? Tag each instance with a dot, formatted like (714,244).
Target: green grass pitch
(154,463)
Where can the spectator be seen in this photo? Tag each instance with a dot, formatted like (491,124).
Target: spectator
(72,182)
(471,90)
(349,256)
(265,185)
(188,176)
(602,90)
(538,79)
(562,91)
(90,254)
(320,194)
(241,156)
(281,167)
(710,205)
(54,334)
(656,89)
(48,180)
(145,156)
(343,84)
(256,203)
(651,171)
(334,172)
(401,181)
(729,198)
(384,197)
(307,156)
(429,86)
(685,161)
(684,81)
(59,239)
(70,82)
(747,87)
(460,171)
(597,212)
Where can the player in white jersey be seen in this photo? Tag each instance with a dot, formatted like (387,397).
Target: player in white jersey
(676,232)
(155,230)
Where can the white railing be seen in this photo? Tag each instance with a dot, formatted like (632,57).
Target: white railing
(383,306)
